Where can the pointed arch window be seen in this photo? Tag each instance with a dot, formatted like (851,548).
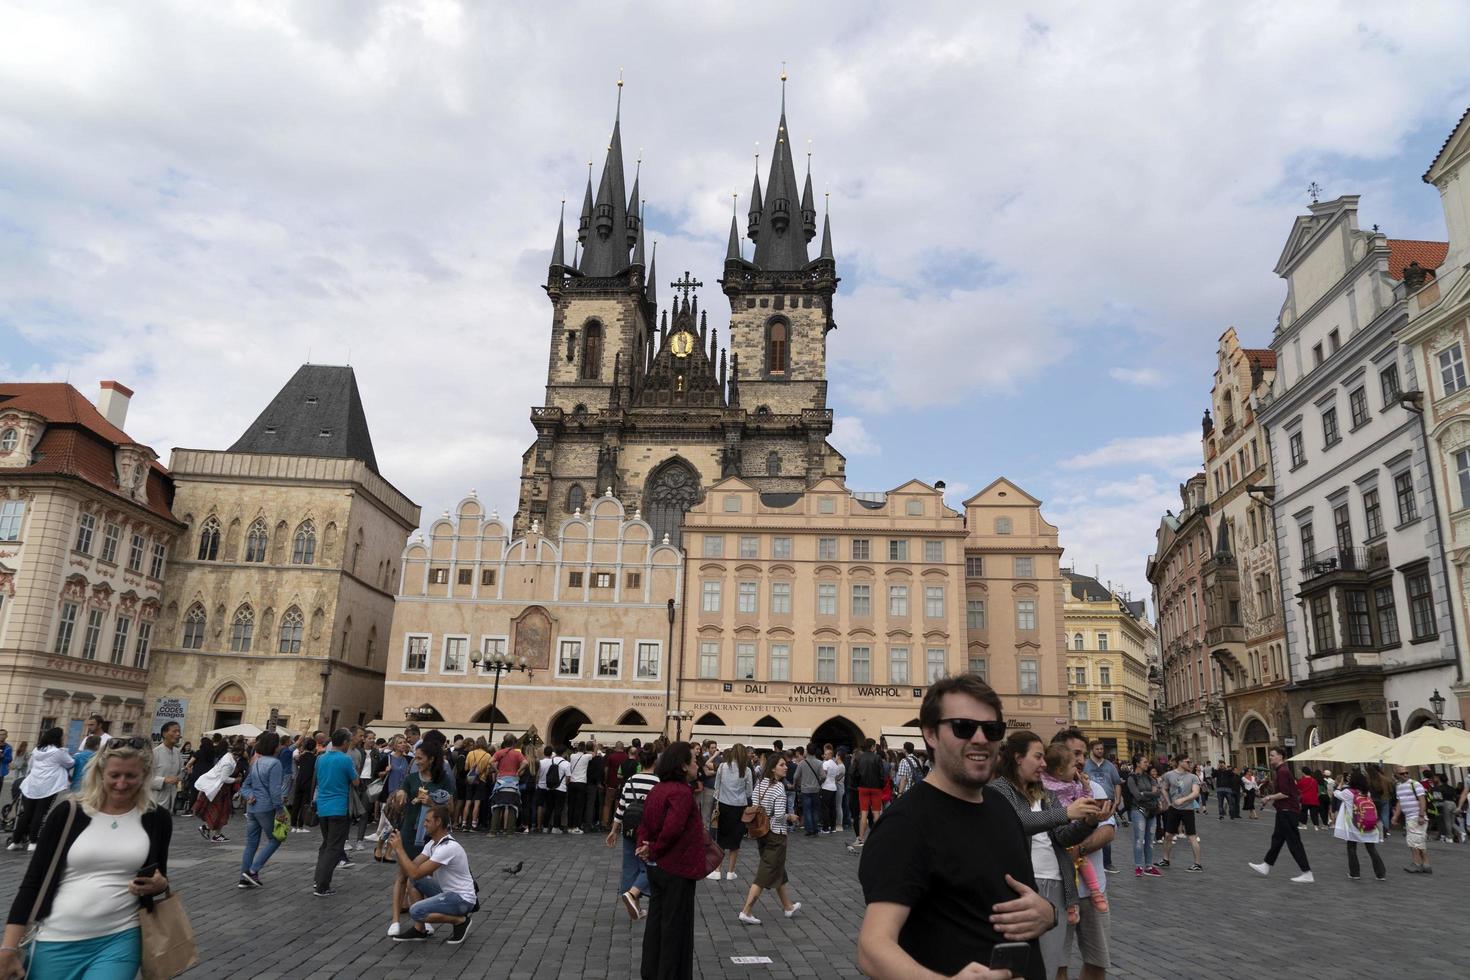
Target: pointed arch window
(592,351)
(293,624)
(303,549)
(576,498)
(256,541)
(209,540)
(773,464)
(242,629)
(672,490)
(778,347)
(194,623)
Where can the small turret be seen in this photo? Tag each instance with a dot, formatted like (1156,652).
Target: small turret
(808,207)
(585,225)
(753,226)
(558,251)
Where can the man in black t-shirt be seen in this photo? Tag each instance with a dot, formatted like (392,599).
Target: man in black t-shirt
(946,873)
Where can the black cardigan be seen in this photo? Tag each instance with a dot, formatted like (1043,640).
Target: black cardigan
(157,823)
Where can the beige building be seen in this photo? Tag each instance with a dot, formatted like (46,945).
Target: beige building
(589,612)
(1244,631)
(1108,642)
(1437,339)
(281,593)
(86,522)
(823,615)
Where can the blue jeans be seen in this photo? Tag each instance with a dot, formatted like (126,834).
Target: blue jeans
(635,872)
(1227,801)
(113,957)
(258,825)
(1143,837)
(809,804)
(436,899)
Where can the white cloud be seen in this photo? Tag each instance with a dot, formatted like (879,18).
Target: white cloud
(210,192)
(1182,448)
(1142,377)
(852,438)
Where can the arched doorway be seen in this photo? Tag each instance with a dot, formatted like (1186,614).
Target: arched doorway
(631,718)
(1255,741)
(228,706)
(1419,719)
(708,718)
(672,489)
(565,726)
(488,714)
(767,722)
(839,731)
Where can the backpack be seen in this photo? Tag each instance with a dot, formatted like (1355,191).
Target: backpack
(471,774)
(632,817)
(628,769)
(553,775)
(1365,813)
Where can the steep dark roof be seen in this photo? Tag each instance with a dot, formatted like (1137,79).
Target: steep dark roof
(1085,587)
(781,245)
(1136,609)
(317,413)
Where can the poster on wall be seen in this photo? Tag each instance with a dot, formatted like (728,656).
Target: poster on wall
(166,710)
(74,735)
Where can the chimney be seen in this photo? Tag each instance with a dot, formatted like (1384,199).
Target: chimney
(112,402)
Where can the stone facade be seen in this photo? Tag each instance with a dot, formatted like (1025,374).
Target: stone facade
(1108,642)
(1244,624)
(1369,627)
(587,611)
(304,633)
(85,528)
(1436,338)
(1190,679)
(655,408)
(1014,635)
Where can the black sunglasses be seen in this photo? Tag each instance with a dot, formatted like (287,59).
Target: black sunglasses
(964,728)
(129,743)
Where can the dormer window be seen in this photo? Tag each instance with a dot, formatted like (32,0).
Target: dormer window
(270,430)
(9,439)
(311,400)
(325,434)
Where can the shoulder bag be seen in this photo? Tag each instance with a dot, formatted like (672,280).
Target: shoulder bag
(757,821)
(32,926)
(168,938)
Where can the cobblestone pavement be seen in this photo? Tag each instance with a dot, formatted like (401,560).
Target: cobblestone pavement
(558,917)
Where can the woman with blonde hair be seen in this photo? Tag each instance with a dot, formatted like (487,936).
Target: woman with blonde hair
(734,783)
(110,846)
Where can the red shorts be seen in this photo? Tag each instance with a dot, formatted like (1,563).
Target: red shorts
(870,800)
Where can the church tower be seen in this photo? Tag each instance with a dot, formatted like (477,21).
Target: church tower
(651,407)
(780,315)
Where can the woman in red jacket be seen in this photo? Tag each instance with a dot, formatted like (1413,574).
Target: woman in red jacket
(671,841)
(1311,801)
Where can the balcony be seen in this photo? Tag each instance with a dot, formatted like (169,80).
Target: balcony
(1352,560)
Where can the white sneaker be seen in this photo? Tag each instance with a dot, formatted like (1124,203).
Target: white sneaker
(577,830)
(395,929)
(1261,869)
(371,837)
(13,846)
(729,875)
(30,847)
(714,875)
(1305,878)
(749,920)
(795,908)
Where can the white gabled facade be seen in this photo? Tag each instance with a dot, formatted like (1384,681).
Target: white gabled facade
(1367,614)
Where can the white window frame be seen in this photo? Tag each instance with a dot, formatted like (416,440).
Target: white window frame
(640,646)
(444,653)
(750,546)
(709,659)
(111,541)
(979,666)
(936,663)
(488,638)
(867,599)
(1102,641)
(156,565)
(122,627)
(1022,611)
(823,595)
(781,601)
(92,630)
(142,641)
(1025,566)
(898,657)
(408,639)
(829,662)
(137,547)
(1107,711)
(1035,674)
(713,546)
(617,646)
(12,516)
(86,529)
(581,645)
(1462,471)
(748,598)
(1104,675)
(898,601)
(934,551)
(826,549)
(898,549)
(1080,711)
(974,609)
(780,661)
(782,547)
(710,596)
(934,602)
(749,652)
(860,655)
(1451,363)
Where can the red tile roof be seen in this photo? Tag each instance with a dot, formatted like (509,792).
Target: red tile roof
(1403,251)
(1264,359)
(79,442)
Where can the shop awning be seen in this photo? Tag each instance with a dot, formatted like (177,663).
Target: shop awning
(896,735)
(479,729)
(752,736)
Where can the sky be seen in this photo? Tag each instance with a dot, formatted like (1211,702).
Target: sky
(1044,215)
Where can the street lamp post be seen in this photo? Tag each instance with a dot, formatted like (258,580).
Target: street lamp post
(497,663)
(1436,702)
(679,718)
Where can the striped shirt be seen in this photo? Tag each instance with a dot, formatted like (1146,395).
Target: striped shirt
(638,786)
(771,797)
(1410,794)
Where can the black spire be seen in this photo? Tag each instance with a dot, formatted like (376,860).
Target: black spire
(808,209)
(753,226)
(607,246)
(781,246)
(585,225)
(649,292)
(635,213)
(827,238)
(558,251)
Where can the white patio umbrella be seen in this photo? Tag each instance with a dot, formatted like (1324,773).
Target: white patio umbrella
(1429,746)
(1358,745)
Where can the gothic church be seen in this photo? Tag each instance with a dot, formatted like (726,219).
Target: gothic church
(650,404)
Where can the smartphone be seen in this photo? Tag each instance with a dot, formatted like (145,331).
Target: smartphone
(146,871)
(1015,957)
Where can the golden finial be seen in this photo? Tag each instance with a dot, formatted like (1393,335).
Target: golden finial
(620,76)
